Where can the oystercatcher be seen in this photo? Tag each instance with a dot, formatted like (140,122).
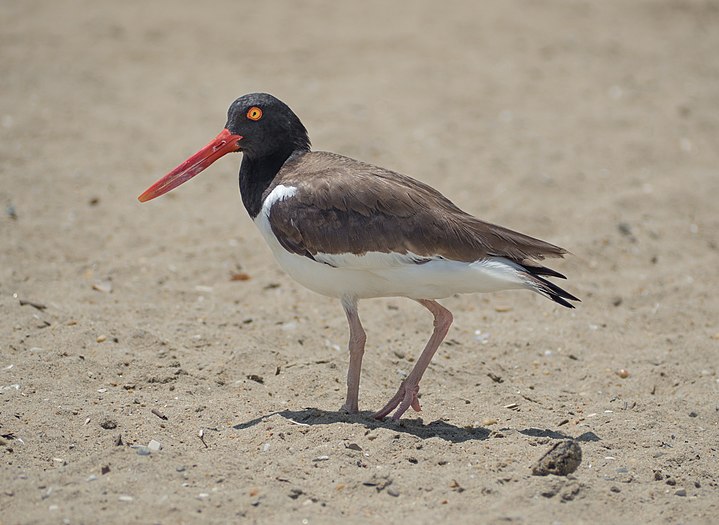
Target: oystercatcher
(351,230)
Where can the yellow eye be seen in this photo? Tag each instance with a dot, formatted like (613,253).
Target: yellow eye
(254,113)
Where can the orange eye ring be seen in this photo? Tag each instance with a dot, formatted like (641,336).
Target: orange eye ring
(254,113)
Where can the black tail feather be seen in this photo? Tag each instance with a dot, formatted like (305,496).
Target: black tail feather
(542,270)
(554,292)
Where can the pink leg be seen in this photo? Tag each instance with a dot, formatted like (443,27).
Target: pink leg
(356,350)
(406,396)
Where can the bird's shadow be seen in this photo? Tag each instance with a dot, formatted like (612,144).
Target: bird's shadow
(416,427)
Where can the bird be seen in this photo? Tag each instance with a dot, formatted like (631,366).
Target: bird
(351,230)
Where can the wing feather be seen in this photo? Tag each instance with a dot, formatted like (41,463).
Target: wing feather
(345,206)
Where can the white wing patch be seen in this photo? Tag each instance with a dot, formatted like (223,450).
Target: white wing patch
(371,260)
(280,193)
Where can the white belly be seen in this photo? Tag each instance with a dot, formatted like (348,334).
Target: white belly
(377,274)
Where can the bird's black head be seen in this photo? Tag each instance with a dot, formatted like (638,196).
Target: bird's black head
(267,126)
(259,125)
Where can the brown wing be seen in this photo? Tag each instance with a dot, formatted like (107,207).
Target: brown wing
(346,206)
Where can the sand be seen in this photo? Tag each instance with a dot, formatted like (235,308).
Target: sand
(593,125)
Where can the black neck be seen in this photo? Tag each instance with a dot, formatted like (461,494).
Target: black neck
(256,175)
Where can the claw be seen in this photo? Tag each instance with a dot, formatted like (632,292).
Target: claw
(405,397)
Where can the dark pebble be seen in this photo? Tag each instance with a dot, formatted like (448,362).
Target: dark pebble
(108,424)
(562,459)
(624,228)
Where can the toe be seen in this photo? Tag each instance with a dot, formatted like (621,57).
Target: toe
(415,405)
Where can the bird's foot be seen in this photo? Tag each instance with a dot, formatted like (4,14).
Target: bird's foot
(405,397)
(349,408)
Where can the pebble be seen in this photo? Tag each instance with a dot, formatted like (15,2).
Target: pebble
(562,459)
(480,337)
(256,378)
(125,497)
(489,422)
(103,286)
(624,228)
(101,338)
(321,458)
(495,377)
(159,414)
(393,492)
(680,492)
(154,446)
(623,373)
(143,451)
(108,424)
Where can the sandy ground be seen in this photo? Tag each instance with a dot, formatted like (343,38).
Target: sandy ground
(594,125)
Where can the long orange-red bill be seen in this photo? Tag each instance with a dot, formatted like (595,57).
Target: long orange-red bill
(221,145)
